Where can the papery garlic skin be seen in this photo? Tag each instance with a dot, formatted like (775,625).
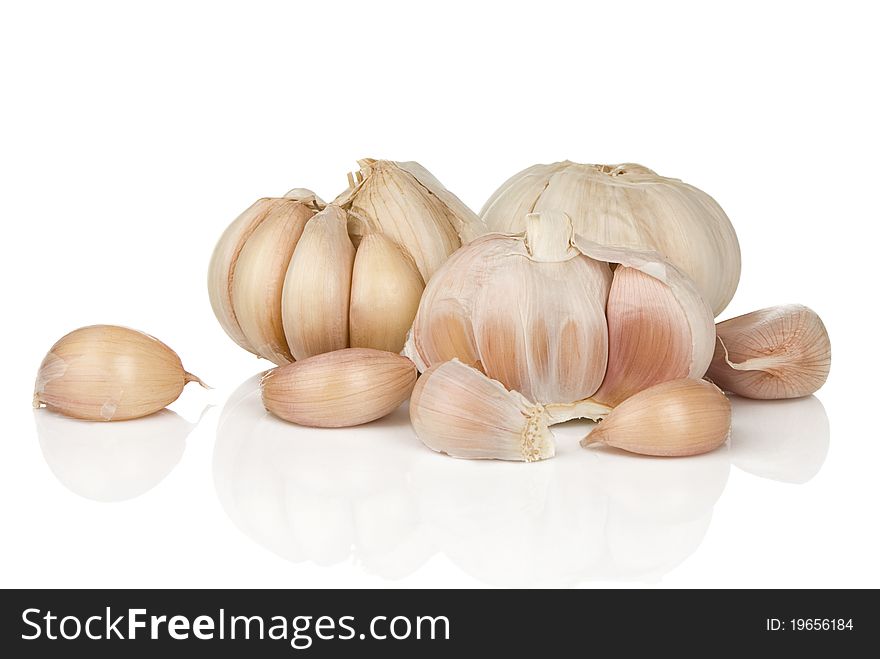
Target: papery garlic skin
(264,284)
(338,389)
(774,353)
(675,418)
(530,311)
(109,373)
(629,205)
(457,410)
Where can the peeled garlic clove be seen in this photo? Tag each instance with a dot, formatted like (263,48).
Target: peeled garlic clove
(405,202)
(385,292)
(630,206)
(317,288)
(773,353)
(339,389)
(258,278)
(674,418)
(225,257)
(109,373)
(457,410)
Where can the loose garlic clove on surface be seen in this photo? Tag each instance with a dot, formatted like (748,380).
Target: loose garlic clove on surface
(674,418)
(317,288)
(773,353)
(339,389)
(630,206)
(385,292)
(109,373)
(457,410)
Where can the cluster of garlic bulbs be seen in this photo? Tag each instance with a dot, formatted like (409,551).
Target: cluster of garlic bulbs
(581,291)
(294,277)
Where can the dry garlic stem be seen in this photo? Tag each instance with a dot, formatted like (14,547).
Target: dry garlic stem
(457,410)
(675,418)
(779,352)
(109,373)
(339,389)
(631,206)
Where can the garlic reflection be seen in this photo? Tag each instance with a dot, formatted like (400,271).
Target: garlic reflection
(329,496)
(783,440)
(112,461)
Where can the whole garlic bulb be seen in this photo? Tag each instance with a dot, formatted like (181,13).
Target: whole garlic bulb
(294,277)
(629,205)
(544,314)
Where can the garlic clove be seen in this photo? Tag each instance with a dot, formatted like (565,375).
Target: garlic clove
(629,205)
(659,327)
(338,389)
(224,259)
(317,287)
(673,418)
(773,353)
(420,215)
(109,373)
(385,292)
(555,348)
(457,410)
(258,276)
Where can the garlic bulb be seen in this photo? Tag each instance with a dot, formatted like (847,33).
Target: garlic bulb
(779,352)
(339,389)
(544,314)
(109,373)
(294,277)
(457,410)
(674,418)
(629,205)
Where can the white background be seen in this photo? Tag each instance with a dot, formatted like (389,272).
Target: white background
(133,133)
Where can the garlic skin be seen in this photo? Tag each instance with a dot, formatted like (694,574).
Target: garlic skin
(674,418)
(534,310)
(770,354)
(285,289)
(457,410)
(629,205)
(109,373)
(338,389)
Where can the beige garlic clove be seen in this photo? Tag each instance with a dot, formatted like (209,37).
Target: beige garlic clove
(109,373)
(339,389)
(457,410)
(385,292)
(631,206)
(674,418)
(407,204)
(258,278)
(224,259)
(773,353)
(317,287)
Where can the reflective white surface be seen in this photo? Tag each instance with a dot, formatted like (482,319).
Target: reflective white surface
(378,498)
